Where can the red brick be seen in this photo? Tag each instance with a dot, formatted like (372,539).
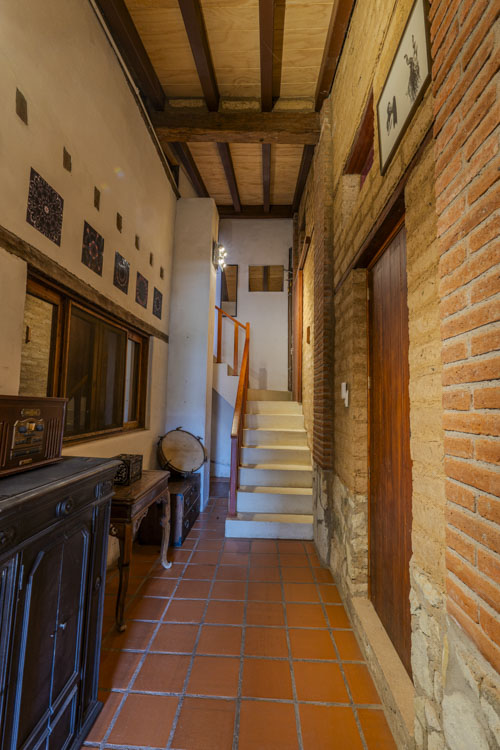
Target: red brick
(460,495)
(487,398)
(483,343)
(459,400)
(448,131)
(482,531)
(475,266)
(445,28)
(454,352)
(482,586)
(486,286)
(461,544)
(490,625)
(488,177)
(452,259)
(447,175)
(489,507)
(487,451)
(472,372)
(475,424)
(487,125)
(473,475)
(489,564)
(453,303)
(461,447)
(472,318)
(490,230)
(461,596)
(477,38)
(488,649)
(445,94)
(451,215)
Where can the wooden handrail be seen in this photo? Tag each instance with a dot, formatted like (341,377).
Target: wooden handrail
(226,315)
(237,426)
(221,314)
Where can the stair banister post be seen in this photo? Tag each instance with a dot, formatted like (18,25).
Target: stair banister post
(235,355)
(219,335)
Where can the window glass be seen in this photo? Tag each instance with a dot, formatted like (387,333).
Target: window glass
(132,381)
(265,278)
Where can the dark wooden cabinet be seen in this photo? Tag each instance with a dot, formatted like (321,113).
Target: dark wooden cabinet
(185,507)
(54,525)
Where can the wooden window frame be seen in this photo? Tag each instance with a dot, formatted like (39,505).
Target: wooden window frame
(58,366)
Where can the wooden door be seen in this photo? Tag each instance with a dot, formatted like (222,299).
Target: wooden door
(390,462)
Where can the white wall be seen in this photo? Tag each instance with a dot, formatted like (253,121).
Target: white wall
(189,385)
(260,242)
(57,54)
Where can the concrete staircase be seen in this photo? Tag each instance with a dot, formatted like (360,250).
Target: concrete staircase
(274,499)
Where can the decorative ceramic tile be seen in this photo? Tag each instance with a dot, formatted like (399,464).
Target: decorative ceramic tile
(141,290)
(122,272)
(45,208)
(157,302)
(92,249)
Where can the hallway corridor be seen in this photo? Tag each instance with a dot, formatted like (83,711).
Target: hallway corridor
(241,644)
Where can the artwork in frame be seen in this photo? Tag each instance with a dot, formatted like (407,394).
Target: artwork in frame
(121,274)
(141,290)
(157,302)
(45,208)
(408,78)
(92,249)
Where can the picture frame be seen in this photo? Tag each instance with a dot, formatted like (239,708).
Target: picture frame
(406,82)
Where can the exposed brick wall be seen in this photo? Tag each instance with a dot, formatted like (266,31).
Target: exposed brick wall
(308,346)
(465,47)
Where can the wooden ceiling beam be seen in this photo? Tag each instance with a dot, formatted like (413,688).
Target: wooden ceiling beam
(266,176)
(227,163)
(305,165)
(183,155)
(197,34)
(337,30)
(266,26)
(238,127)
(256,212)
(131,48)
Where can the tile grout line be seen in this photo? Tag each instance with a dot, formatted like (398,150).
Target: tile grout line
(193,654)
(347,686)
(290,659)
(237,715)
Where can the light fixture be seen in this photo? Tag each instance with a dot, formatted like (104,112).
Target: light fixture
(219,254)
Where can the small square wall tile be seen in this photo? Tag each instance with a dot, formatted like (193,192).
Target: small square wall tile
(205,724)
(267,726)
(266,678)
(214,676)
(162,673)
(144,720)
(325,727)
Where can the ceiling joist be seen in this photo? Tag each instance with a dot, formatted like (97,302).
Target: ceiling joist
(256,212)
(305,165)
(266,26)
(227,163)
(266,176)
(197,34)
(337,31)
(184,157)
(238,127)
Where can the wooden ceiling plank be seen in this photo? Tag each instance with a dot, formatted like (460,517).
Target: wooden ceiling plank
(266,24)
(197,35)
(337,31)
(184,156)
(266,176)
(305,165)
(129,43)
(238,127)
(256,212)
(227,163)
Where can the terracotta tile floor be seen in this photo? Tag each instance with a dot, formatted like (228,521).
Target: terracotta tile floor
(241,645)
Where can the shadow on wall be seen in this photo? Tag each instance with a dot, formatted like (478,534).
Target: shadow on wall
(263,378)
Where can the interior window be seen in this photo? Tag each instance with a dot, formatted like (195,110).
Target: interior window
(265,278)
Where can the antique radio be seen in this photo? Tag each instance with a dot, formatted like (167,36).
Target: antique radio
(130,469)
(31,432)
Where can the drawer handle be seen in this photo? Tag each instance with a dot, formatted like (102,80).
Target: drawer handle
(186,523)
(64,508)
(7,536)
(97,584)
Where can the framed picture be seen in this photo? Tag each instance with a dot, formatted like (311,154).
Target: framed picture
(408,78)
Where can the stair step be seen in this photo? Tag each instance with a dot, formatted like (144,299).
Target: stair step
(275,475)
(256,394)
(276,454)
(273,407)
(269,526)
(274,421)
(295,500)
(274,436)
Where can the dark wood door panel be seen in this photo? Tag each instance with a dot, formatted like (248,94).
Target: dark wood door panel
(390,461)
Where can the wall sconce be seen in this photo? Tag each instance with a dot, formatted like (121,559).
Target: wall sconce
(219,254)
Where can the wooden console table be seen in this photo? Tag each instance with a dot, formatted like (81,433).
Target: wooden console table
(129,506)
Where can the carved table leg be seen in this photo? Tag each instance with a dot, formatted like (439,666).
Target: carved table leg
(125,539)
(165,524)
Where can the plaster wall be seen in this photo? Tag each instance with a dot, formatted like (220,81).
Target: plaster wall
(190,367)
(57,54)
